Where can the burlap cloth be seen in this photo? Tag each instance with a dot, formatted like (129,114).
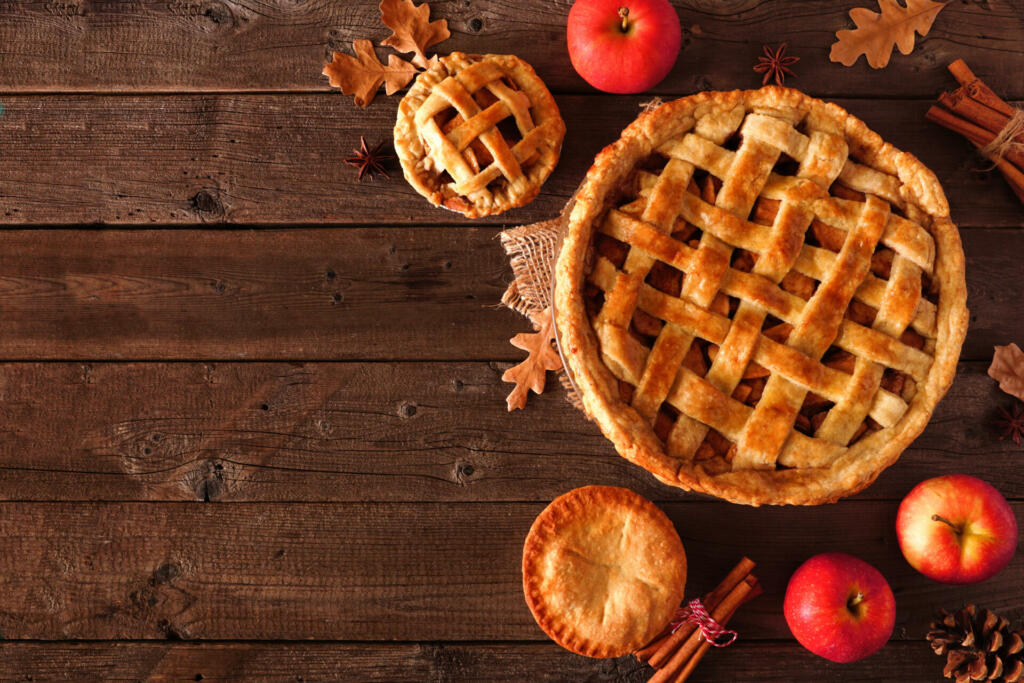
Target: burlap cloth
(532,250)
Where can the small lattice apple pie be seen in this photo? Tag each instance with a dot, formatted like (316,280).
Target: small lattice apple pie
(478,134)
(758,298)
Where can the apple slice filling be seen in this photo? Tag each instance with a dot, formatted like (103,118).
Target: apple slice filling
(716,451)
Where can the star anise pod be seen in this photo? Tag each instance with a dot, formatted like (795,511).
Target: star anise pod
(775,64)
(1011,422)
(369,161)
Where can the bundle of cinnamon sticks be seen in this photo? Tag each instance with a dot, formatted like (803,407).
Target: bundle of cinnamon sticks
(676,655)
(981,116)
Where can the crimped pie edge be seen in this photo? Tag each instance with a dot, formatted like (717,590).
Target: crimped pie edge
(632,436)
(545,527)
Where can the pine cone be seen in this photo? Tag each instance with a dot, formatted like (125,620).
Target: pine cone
(978,646)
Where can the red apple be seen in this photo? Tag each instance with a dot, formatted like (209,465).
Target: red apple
(956,529)
(623,46)
(839,607)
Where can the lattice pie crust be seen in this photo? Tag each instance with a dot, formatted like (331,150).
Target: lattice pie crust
(760,299)
(478,134)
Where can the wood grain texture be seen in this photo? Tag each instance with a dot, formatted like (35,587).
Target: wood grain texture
(325,294)
(349,432)
(316,294)
(512,662)
(187,45)
(416,571)
(279,160)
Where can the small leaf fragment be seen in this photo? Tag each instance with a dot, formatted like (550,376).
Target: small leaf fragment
(1008,369)
(412,30)
(362,75)
(530,374)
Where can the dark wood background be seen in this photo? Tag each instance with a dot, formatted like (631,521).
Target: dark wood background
(252,418)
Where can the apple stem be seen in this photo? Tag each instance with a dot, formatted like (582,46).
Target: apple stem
(955,527)
(624,13)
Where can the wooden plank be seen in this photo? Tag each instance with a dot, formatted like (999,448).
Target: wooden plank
(745,661)
(325,294)
(279,160)
(413,571)
(245,45)
(346,294)
(367,432)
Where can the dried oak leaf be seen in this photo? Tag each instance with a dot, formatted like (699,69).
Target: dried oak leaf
(1008,369)
(412,29)
(876,34)
(363,74)
(530,374)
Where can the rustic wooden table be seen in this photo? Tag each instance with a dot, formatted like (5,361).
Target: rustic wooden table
(253,424)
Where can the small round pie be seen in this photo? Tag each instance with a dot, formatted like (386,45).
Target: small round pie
(603,571)
(478,134)
(758,298)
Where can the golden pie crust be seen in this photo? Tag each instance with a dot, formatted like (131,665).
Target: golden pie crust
(603,571)
(760,299)
(478,134)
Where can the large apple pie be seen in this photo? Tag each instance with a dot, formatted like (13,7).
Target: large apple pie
(758,298)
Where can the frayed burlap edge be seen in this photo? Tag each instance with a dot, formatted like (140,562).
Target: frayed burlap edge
(532,250)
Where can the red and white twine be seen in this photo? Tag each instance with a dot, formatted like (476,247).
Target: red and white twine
(713,632)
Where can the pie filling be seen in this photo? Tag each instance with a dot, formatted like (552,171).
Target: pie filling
(715,453)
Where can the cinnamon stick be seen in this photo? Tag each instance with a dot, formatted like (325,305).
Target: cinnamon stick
(666,646)
(1014,176)
(977,89)
(976,134)
(961,103)
(721,614)
(685,672)
(644,654)
(985,115)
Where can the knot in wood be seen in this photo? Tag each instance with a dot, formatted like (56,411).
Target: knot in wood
(165,573)
(204,201)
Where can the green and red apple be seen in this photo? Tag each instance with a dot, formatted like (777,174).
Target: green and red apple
(956,529)
(839,607)
(623,46)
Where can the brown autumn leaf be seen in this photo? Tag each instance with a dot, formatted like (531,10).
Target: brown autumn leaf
(530,374)
(877,33)
(1008,369)
(412,30)
(363,74)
